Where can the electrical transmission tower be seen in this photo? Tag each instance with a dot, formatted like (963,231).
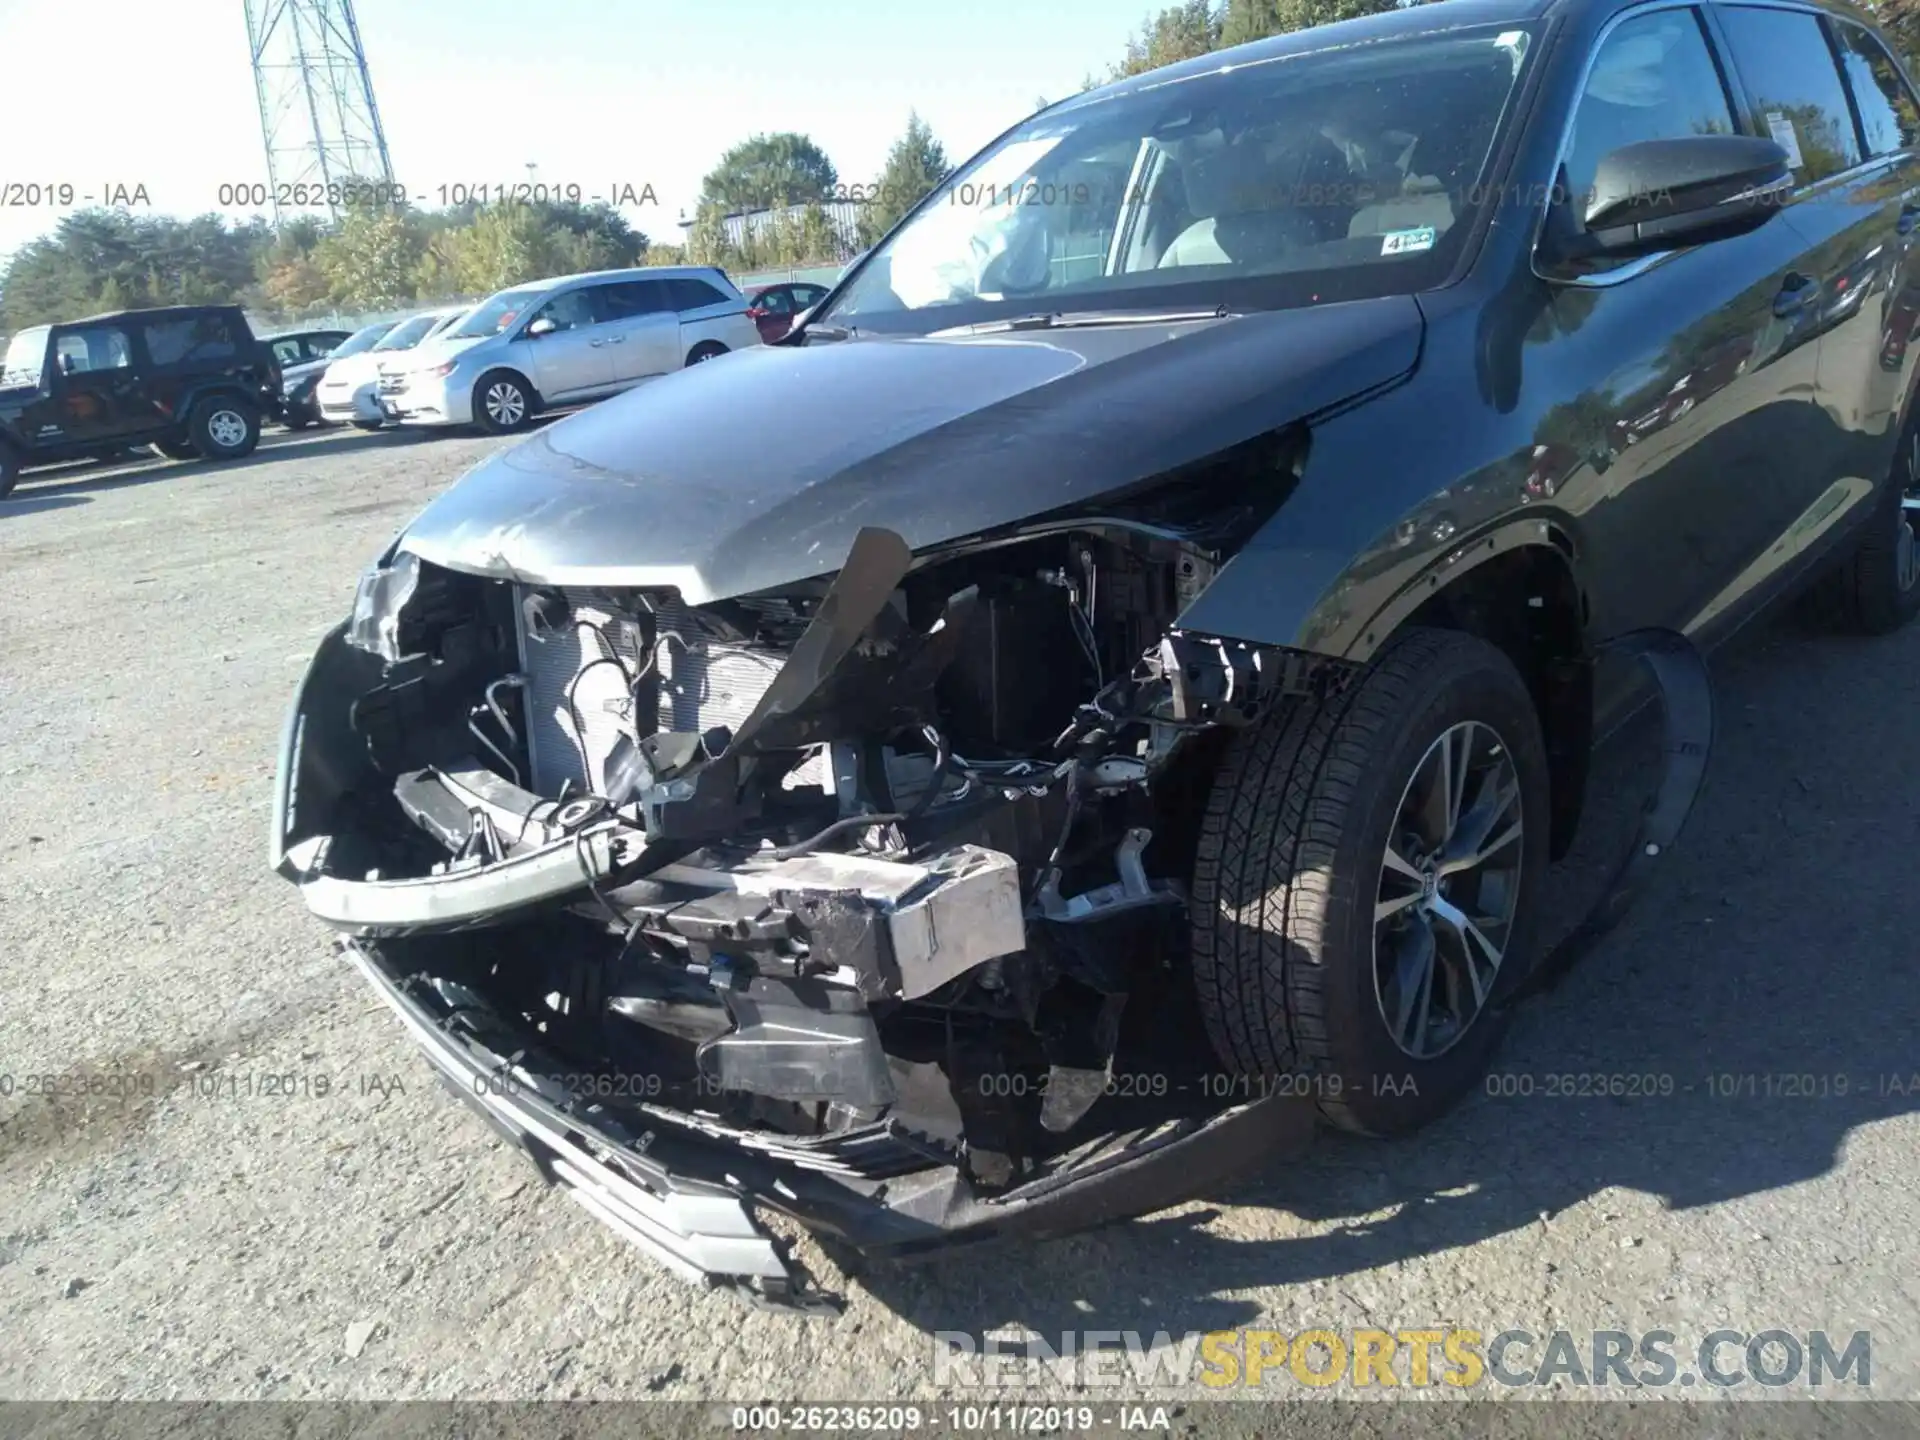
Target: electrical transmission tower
(317,116)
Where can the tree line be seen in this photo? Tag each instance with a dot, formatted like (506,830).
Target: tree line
(375,256)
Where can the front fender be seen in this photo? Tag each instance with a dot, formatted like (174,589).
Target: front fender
(321,760)
(1399,496)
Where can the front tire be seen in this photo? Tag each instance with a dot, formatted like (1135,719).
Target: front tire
(222,428)
(502,402)
(9,471)
(1876,590)
(1366,883)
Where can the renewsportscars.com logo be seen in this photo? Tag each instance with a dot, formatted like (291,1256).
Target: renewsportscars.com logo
(1415,1358)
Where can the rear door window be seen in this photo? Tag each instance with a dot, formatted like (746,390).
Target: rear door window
(692,294)
(195,339)
(1788,70)
(631,299)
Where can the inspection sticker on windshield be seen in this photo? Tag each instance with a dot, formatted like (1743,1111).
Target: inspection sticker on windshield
(1402,242)
(1784,137)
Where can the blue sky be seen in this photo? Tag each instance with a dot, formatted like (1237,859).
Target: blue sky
(596,92)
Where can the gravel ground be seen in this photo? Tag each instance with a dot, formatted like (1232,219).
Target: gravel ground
(374,1241)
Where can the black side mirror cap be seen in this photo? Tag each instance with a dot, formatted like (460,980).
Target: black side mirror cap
(1660,195)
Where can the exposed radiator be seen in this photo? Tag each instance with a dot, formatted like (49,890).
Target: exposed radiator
(700,680)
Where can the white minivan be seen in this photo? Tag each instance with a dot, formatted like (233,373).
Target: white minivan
(559,342)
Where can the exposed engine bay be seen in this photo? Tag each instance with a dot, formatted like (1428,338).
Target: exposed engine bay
(882,874)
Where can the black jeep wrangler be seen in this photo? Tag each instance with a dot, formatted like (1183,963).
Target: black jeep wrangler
(192,381)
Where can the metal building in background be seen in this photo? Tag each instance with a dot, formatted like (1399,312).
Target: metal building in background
(318,119)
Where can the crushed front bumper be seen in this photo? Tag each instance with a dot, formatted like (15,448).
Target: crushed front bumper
(687,1191)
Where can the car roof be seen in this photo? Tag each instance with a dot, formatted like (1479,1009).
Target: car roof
(301,334)
(150,312)
(1413,20)
(631,272)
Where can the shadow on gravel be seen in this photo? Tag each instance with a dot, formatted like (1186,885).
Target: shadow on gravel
(1758,1005)
(27,506)
(144,470)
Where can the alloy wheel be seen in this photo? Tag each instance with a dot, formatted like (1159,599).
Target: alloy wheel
(1449,887)
(227,429)
(506,406)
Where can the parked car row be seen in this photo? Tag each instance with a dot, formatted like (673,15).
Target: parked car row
(345,393)
(194,382)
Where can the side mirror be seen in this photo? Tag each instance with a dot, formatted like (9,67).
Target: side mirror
(1664,194)
(543,326)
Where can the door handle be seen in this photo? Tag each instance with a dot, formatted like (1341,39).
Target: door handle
(1795,291)
(1909,217)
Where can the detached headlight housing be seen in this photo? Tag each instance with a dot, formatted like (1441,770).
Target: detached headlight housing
(384,592)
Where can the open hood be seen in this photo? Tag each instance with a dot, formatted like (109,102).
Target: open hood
(759,469)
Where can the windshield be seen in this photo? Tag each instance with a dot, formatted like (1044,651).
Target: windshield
(495,314)
(1338,172)
(360,340)
(408,333)
(26,358)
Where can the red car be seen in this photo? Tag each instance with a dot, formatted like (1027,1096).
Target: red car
(774,306)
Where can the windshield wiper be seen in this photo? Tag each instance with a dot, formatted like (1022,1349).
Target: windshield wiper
(1074,320)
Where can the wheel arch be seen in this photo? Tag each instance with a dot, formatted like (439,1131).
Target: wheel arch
(1518,588)
(217,390)
(535,399)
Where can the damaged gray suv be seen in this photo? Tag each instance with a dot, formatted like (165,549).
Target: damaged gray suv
(1125,722)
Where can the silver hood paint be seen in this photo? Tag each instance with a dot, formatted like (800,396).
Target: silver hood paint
(759,469)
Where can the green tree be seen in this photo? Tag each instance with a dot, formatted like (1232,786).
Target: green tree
(916,164)
(372,258)
(1246,20)
(707,242)
(820,240)
(1199,27)
(108,259)
(1177,33)
(1901,20)
(769,170)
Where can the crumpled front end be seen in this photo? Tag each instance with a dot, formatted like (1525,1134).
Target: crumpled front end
(863,900)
